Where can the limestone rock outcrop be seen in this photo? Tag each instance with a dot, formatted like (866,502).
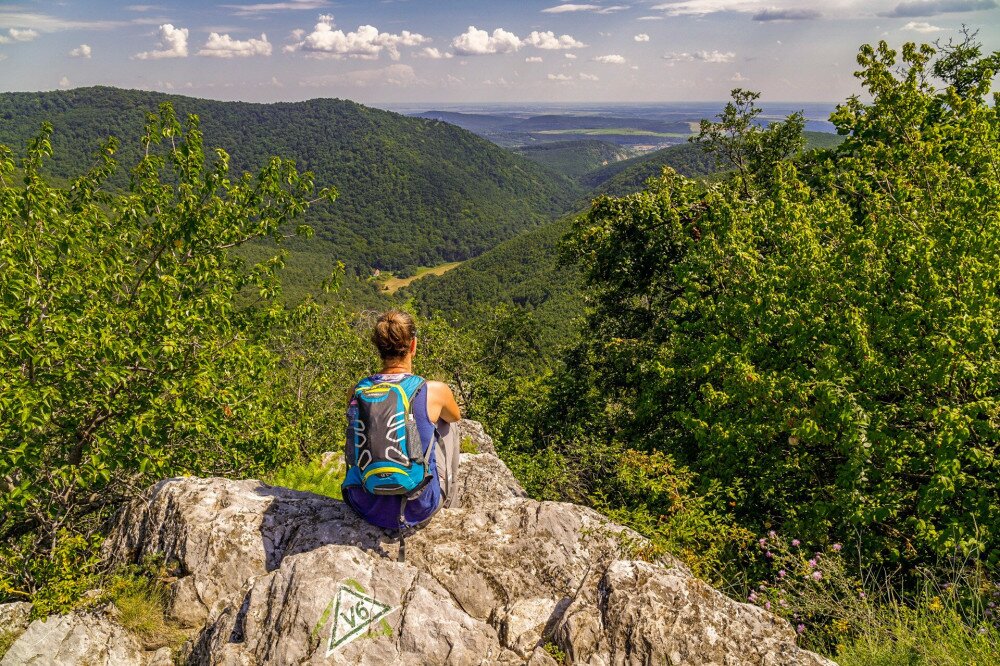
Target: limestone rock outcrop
(269,575)
(77,638)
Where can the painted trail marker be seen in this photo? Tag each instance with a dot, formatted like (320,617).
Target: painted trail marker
(353,613)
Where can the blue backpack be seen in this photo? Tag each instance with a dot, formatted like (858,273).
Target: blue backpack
(385,457)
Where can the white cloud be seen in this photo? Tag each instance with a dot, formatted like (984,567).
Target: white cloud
(589,77)
(366,42)
(537,58)
(650,18)
(561,78)
(612,59)
(432,53)
(265,7)
(570,7)
(46,23)
(549,41)
(641,37)
(702,7)
(173,44)
(772,15)
(82,51)
(479,42)
(921,26)
(738,78)
(64,82)
(763,10)
(224,46)
(569,56)
(18,35)
(701,56)
(396,75)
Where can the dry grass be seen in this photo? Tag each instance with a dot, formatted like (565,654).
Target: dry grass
(393,284)
(140,606)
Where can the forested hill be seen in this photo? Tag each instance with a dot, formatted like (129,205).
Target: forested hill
(526,272)
(412,191)
(575,158)
(523,271)
(627,176)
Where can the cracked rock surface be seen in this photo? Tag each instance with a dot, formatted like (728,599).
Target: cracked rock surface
(274,576)
(77,638)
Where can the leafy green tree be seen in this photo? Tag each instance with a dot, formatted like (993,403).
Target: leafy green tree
(323,351)
(738,141)
(134,344)
(821,337)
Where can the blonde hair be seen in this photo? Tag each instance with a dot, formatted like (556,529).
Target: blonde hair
(393,334)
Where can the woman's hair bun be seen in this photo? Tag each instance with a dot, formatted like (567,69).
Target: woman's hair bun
(394,331)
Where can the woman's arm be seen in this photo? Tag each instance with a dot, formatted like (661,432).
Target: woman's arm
(441,403)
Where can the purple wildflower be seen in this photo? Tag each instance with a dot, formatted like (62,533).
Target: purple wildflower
(752,598)
(769,555)
(782,573)
(796,542)
(817,575)
(837,547)
(812,563)
(767,605)
(799,629)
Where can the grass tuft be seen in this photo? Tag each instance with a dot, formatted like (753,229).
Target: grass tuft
(938,632)
(468,446)
(311,476)
(7,639)
(140,599)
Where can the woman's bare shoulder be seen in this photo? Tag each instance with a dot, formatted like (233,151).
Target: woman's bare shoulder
(437,388)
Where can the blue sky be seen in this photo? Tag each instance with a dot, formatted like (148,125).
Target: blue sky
(467,50)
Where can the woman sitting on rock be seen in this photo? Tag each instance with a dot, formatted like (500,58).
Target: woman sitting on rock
(401,453)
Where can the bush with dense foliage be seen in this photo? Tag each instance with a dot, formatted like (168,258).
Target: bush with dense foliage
(133,344)
(821,337)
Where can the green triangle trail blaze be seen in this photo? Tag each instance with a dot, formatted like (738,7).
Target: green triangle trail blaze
(353,613)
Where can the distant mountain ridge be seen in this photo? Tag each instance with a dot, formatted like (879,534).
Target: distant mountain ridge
(688,159)
(517,130)
(413,192)
(574,159)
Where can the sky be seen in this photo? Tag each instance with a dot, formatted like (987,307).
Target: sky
(460,51)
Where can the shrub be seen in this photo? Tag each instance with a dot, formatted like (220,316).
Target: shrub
(133,343)
(311,476)
(820,337)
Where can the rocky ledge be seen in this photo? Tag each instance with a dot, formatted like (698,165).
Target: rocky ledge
(269,575)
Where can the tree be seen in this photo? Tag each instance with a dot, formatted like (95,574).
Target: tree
(133,343)
(821,336)
(738,140)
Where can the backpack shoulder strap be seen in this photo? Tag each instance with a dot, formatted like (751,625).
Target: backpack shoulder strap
(412,385)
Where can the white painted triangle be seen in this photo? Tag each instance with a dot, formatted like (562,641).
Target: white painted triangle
(353,613)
